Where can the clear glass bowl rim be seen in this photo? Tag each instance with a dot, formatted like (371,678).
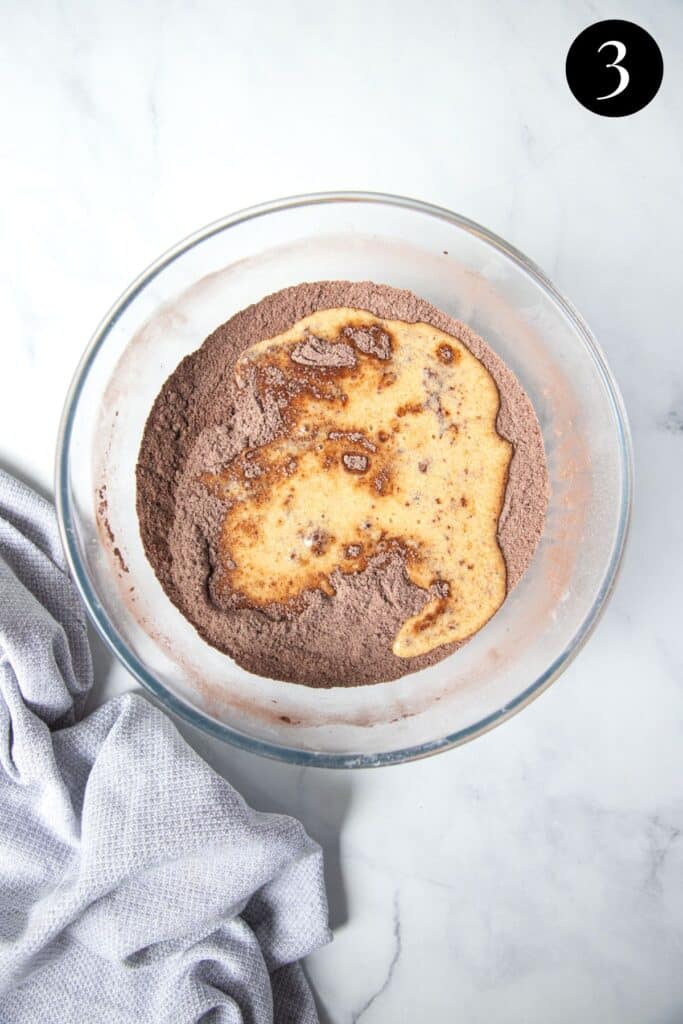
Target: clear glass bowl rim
(219,729)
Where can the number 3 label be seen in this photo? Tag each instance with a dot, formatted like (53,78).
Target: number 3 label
(609,54)
(624,77)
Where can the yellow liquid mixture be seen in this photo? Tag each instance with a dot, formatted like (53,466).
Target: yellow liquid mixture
(396,446)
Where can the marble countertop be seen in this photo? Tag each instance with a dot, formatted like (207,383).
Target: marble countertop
(535,874)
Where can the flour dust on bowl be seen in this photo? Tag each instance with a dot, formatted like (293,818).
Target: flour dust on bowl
(470,275)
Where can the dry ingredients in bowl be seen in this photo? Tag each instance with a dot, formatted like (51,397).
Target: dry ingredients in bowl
(341,485)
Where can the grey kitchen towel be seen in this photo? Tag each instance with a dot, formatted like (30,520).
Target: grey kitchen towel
(135,883)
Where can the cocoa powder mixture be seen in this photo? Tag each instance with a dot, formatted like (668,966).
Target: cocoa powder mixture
(196,425)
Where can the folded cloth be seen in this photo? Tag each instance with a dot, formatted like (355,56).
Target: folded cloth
(135,883)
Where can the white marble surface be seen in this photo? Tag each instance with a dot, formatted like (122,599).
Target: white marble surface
(534,875)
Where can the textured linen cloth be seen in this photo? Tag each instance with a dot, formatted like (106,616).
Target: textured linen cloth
(135,883)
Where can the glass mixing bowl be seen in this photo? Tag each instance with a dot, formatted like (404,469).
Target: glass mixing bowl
(466,271)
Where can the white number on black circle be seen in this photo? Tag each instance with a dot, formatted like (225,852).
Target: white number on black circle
(624,76)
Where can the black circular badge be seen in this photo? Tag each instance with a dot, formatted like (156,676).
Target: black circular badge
(614,68)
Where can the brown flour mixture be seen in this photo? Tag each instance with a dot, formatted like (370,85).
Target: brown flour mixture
(205,424)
